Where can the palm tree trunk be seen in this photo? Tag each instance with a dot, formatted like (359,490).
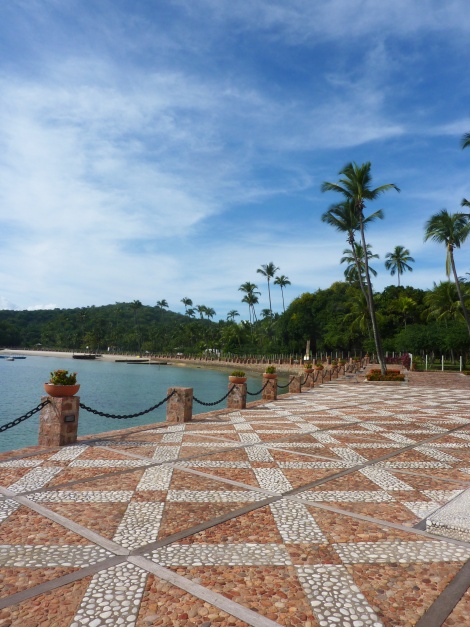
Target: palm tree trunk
(373,319)
(283,306)
(358,266)
(459,291)
(269,293)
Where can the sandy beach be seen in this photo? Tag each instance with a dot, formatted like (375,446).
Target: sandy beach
(179,361)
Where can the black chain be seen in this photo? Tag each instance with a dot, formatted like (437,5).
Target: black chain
(215,402)
(287,384)
(259,391)
(30,413)
(306,379)
(120,417)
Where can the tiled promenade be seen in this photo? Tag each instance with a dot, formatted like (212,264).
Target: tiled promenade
(308,511)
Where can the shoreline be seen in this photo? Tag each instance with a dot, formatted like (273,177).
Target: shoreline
(179,361)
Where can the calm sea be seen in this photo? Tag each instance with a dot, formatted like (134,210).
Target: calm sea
(115,388)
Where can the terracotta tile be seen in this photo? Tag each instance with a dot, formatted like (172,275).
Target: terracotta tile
(11,475)
(302,476)
(180,516)
(242,475)
(181,480)
(390,512)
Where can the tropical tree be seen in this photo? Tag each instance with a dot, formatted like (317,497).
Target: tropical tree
(354,256)
(201,309)
(282,281)
(398,261)
(355,186)
(343,218)
(135,306)
(442,303)
(190,312)
(268,270)
(162,304)
(451,230)
(232,314)
(251,297)
(404,306)
(187,302)
(210,312)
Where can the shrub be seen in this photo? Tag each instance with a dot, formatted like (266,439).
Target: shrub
(392,375)
(62,377)
(237,373)
(270,370)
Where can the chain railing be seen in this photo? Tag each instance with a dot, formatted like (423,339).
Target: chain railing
(17,421)
(259,391)
(287,384)
(125,417)
(215,402)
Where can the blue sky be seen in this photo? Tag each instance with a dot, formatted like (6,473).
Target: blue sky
(165,149)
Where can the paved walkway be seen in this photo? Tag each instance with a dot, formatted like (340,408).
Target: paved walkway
(309,511)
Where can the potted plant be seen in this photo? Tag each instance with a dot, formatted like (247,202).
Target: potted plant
(62,383)
(270,373)
(237,376)
(308,367)
(318,365)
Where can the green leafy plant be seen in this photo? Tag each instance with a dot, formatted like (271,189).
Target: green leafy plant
(391,375)
(308,366)
(270,370)
(319,365)
(237,373)
(62,377)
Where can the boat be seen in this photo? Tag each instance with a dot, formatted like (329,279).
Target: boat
(85,356)
(18,356)
(10,359)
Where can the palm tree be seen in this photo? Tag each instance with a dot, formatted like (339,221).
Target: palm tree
(232,315)
(404,306)
(355,258)
(355,186)
(201,309)
(210,313)
(398,261)
(250,290)
(344,219)
(443,302)
(162,304)
(452,230)
(190,312)
(282,281)
(187,302)
(268,270)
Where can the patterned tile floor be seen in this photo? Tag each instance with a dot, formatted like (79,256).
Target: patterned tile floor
(308,511)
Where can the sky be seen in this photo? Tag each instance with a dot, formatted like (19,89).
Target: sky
(167,149)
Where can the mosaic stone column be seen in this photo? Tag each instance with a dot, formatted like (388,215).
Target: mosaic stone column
(58,421)
(270,391)
(294,385)
(237,398)
(179,407)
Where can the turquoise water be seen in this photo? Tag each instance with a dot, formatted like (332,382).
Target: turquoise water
(115,388)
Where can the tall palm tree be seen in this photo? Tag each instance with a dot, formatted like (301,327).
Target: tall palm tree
(451,230)
(162,304)
(210,312)
(282,281)
(187,302)
(397,261)
(343,218)
(250,290)
(355,258)
(268,270)
(201,309)
(232,314)
(442,302)
(355,185)
(404,306)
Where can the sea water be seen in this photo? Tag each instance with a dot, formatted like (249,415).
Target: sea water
(110,387)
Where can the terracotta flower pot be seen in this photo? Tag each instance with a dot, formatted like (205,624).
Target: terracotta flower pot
(308,370)
(233,379)
(61,390)
(267,375)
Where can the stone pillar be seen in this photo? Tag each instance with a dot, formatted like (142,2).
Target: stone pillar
(237,398)
(179,407)
(294,385)
(58,421)
(270,391)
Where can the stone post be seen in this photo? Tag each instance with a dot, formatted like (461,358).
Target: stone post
(270,391)
(179,407)
(237,398)
(58,421)
(294,385)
